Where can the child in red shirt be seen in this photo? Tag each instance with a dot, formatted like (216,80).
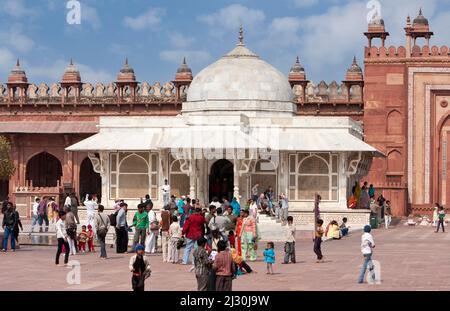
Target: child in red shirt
(82,239)
(231,239)
(90,238)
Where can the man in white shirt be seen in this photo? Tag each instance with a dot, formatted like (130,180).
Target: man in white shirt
(166,192)
(289,246)
(91,207)
(61,235)
(367,246)
(35,213)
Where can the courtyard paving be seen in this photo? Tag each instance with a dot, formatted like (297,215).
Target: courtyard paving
(410,258)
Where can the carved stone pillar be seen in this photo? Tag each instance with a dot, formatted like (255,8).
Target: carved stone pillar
(236,176)
(192,178)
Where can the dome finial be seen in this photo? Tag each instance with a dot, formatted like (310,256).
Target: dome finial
(126,61)
(18,63)
(71,61)
(184,60)
(354,60)
(241,35)
(420,11)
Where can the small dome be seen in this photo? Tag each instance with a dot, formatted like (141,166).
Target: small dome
(297,67)
(420,20)
(354,73)
(126,74)
(184,68)
(17,75)
(184,72)
(71,74)
(377,20)
(354,67)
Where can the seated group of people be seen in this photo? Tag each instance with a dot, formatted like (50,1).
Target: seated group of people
(335,231)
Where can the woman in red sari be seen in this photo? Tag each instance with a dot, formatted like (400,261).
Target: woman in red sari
(239,222)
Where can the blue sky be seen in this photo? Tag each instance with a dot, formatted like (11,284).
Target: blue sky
(156,34)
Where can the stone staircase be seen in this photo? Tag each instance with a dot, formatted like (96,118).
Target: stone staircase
(270,228)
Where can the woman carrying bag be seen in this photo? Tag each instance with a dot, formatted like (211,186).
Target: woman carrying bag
(102,223)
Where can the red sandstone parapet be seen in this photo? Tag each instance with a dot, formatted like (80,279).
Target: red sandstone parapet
(400,52)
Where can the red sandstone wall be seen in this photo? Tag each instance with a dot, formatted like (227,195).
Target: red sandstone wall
(385,127)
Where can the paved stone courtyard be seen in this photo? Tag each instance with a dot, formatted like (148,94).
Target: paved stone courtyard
(411,259)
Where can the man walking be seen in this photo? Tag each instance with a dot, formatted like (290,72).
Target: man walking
(367,246)
(9,222)
(193,229)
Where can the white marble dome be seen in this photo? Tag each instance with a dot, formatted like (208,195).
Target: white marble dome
(239,82)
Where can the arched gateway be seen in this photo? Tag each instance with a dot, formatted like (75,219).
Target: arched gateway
(221,180)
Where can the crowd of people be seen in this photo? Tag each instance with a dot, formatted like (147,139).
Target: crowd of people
(220,240)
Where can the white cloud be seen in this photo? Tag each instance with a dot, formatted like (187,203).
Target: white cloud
(305,3)
(179,40)
(230,17)
(53,72)
(119,49)
(16,8)
(193,57)
(283,31)
(7,60)
(149,19)
(15,39)
(90,16)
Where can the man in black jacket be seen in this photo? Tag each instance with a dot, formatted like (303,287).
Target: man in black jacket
(9,222)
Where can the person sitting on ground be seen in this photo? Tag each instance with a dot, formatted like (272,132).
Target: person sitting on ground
(343,227)
(333,232)
(241,264)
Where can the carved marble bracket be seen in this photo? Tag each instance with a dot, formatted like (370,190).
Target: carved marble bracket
(99,163)
(359,166)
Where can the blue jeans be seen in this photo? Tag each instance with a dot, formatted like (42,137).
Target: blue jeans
(9,233)
(190,244)
(367,264)
(43,218)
